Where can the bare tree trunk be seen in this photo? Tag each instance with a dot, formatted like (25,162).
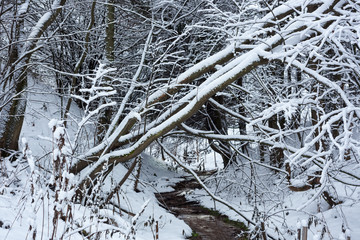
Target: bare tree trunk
(277,121)
(14,118)
(216,121)
(242,111)
(105,115)
(276,154)
(110,31)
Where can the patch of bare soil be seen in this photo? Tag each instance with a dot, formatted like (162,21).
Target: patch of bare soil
(205,223)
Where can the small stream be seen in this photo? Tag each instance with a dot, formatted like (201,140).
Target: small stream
(205,223)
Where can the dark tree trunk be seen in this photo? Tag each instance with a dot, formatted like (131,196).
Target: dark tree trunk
(105,115)
(216,121)
(242,111)
(277,154)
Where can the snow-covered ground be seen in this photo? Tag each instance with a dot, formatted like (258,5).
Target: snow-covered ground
(20,210)
(17,209)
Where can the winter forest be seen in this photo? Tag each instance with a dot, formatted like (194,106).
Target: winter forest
(180,119)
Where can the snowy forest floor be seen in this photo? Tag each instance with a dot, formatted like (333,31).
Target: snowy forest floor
(20,209)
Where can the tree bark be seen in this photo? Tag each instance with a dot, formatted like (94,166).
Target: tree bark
(216,122)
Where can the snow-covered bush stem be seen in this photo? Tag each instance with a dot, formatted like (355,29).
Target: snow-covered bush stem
(132,230)
(33,178)
(61,179)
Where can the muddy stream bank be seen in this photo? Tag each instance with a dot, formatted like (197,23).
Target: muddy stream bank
(205,223)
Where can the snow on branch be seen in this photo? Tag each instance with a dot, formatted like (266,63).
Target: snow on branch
(41,25)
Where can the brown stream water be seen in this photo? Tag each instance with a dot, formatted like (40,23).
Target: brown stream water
(206,224)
